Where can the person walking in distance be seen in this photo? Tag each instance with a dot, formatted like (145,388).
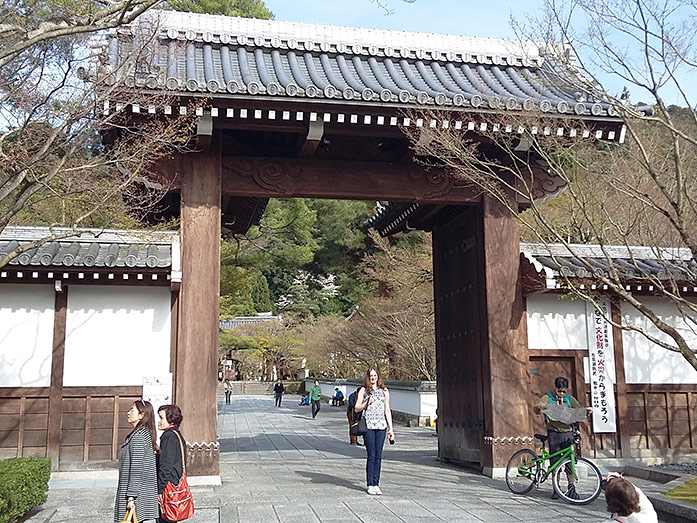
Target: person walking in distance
(227,387)
(278,392)
(374,401)
(315,396)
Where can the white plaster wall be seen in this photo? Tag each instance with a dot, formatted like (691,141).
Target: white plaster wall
(429,404)
(646,362)
(555,322)
(26,335)
(116,335)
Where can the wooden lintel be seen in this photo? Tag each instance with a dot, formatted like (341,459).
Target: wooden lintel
(305,178)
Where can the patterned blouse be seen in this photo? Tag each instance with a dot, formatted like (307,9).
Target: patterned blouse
(375,411)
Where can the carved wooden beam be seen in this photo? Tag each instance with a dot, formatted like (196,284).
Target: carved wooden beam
(305,178)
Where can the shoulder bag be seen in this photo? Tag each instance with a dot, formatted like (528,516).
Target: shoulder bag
(176,502)
(130,516)
(359,426)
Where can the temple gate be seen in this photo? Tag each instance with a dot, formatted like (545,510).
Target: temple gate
(298,110)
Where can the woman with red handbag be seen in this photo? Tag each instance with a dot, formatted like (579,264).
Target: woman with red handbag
(176,503)
(137,467)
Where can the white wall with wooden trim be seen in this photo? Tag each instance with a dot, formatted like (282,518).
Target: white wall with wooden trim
(116,335)
(26,335)
(647,362)
(556,323)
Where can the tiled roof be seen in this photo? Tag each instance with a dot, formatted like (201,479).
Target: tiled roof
(264,59)
(90,248)
(633,263)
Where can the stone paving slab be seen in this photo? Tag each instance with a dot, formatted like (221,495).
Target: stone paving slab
(279,465)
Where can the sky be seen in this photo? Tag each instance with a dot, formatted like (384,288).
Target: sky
(461,17)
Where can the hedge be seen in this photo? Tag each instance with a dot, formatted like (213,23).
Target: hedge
(23,485)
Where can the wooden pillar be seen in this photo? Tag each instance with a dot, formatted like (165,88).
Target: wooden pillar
(55,400)
(481,337)
(622,419)
(506,378)
(196,382)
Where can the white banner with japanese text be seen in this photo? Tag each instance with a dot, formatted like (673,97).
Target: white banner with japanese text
(601,366)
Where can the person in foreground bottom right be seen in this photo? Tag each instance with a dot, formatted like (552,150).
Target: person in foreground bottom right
(625,502)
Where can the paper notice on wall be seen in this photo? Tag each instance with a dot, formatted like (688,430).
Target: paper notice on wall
(158,391)
(601,366)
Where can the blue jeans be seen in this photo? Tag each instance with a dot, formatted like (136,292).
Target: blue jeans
(374,441)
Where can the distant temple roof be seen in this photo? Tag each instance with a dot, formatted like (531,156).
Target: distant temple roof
(226,57)
(91,248)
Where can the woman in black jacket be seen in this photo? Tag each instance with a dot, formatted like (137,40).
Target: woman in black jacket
(137,466)
(169,466)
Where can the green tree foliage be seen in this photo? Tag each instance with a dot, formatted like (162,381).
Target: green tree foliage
(258,348)
(394,330)
(242,8)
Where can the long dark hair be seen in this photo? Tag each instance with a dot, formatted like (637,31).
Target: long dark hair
(147,421)
(366,379)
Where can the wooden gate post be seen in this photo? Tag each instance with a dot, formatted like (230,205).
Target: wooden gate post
(196,376)
(506,381)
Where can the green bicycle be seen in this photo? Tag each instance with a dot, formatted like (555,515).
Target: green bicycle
(526,470)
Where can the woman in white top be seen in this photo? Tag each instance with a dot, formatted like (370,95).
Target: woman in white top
(374,401)
(627,503)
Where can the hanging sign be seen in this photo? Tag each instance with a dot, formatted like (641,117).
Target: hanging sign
(601,359)
(158,391)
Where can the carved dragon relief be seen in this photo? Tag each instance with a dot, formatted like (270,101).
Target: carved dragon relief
(268,174)
(541,183)
(276,175)
(438,183)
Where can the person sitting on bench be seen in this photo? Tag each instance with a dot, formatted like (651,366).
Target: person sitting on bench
(338,397)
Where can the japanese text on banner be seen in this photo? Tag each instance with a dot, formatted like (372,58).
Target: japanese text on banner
(601,367)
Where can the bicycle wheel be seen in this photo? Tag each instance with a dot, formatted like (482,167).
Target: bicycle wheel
(521,471)
(586,484)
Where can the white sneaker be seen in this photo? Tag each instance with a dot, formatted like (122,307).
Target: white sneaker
(371,490)
(377,490)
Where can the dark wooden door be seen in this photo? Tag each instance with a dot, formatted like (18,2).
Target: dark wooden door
(543,371)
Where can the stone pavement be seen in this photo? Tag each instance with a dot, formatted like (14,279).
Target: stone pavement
(279,465)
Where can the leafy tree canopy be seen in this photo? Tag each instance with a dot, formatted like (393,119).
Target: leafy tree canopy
(242,8)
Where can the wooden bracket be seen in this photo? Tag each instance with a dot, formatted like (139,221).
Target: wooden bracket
(308,146)
(204,131)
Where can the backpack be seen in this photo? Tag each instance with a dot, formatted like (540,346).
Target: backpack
(551,400)
(566,399)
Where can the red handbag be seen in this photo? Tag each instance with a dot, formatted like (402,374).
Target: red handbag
(176,502)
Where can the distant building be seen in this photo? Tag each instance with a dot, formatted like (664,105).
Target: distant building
(237,321)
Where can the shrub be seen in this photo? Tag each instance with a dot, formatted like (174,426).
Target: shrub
(23,485)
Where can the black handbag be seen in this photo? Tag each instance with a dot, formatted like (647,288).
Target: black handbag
(359,426)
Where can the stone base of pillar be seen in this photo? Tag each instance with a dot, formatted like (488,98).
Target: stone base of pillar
(203,459)
(502,448)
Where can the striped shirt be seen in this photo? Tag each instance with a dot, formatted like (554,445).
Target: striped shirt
(137,477)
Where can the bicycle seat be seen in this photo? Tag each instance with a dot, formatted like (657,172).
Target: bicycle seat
(540,437)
